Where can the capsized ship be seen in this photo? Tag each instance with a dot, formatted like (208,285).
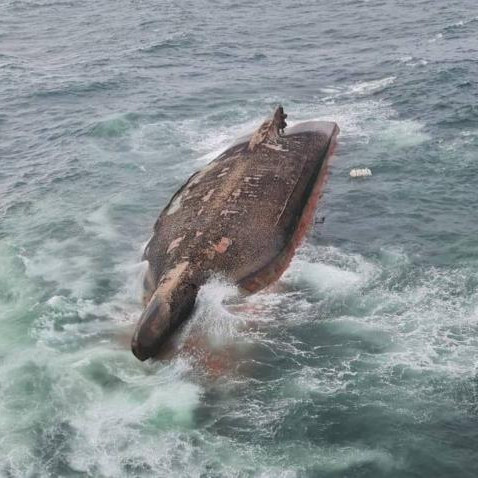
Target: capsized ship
(242,216)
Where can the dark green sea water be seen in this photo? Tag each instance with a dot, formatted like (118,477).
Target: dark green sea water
(362,362)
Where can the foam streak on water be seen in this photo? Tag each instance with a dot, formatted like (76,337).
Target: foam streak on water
(360,362)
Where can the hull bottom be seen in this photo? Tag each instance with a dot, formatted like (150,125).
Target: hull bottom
(273,271)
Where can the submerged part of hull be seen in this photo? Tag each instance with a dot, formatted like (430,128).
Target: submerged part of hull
(242,216)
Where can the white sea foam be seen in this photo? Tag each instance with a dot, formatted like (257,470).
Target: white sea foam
(133,273)
(330,90)
(421,328)
(323,380)
(359,121)
(372,86)
(461,147)
(367,122)
(99,222)
(111,127)
(403,134)
(205,142)
(437,37)
(329,270)
(361,88)
(113,407)
(121,412)
(371,122)
(209,144)
(60,262)
(462,23)
(108,428)
(413,61)
(211,317)
(324,278)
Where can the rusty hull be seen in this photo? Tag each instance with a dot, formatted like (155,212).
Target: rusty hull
(242,216)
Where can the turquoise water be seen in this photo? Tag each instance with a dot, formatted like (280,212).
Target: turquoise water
(361,362)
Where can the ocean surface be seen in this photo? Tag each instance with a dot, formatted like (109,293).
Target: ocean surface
(361,361)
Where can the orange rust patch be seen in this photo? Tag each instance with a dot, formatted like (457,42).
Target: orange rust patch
(222,245)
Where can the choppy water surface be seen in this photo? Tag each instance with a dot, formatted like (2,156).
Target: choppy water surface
(361,362)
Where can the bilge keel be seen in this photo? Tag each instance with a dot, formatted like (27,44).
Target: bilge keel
(242,216)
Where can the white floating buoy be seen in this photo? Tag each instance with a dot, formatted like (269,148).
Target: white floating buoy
(360,173)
